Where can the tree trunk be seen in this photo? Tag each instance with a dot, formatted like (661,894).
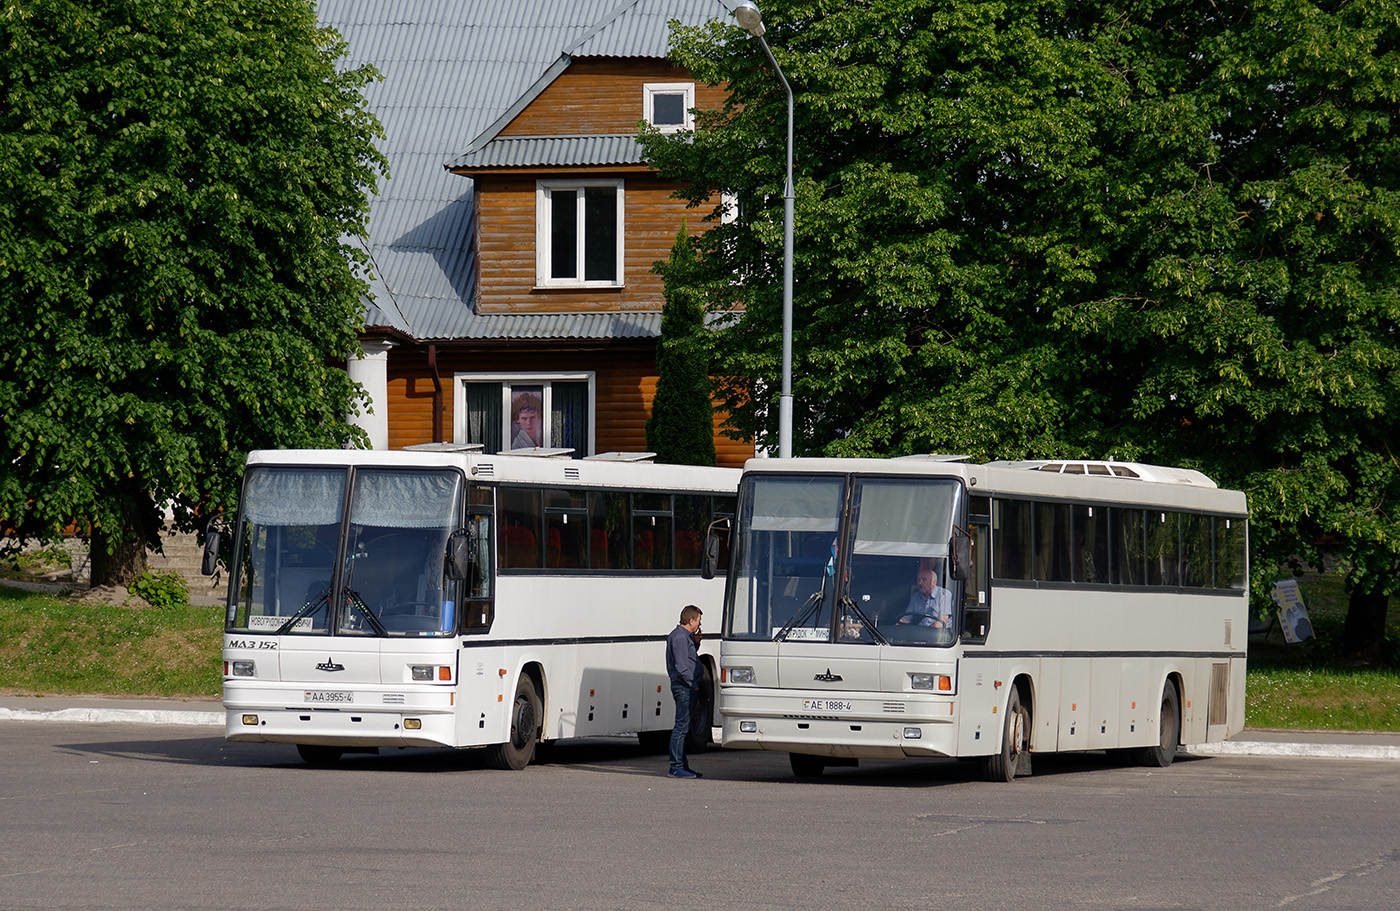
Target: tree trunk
(1364,633)
(118,556)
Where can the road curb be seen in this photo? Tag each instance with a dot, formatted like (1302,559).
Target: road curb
(1312,750)
(124,716)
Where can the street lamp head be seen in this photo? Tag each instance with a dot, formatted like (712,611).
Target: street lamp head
(750,19)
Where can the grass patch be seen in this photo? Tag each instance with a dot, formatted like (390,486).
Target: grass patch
(59,646)
(1308,686)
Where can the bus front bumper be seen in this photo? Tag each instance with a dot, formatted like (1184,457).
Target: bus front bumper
(370,716)
(839,725)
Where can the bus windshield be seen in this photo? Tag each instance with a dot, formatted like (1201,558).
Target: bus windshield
(391,576)
(815,564)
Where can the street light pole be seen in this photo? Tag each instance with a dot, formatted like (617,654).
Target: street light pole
(751,20)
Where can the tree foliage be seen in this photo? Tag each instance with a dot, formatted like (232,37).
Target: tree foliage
(1143,230)
(177,180)
(681,428)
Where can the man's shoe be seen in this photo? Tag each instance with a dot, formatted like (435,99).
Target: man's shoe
(684,773)
(695,773)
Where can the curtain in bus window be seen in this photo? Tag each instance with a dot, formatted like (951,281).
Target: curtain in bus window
(1230,554)
(568,417)
(1196,551)
(1052,542)
(405,499)
(1090,555)
(609,520)
(692,518)
(484,417)
(566,529)
(651,531)
(519,531)
(1129,551)
(1162,553)
(295,496)
(1011,528)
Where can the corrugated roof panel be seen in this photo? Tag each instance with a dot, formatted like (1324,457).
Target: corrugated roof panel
(559,151)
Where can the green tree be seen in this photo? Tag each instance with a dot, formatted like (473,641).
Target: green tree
(177,183)
(680,429)
(1145,230)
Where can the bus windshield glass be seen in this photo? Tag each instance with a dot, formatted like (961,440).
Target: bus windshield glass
(395,582)
(816,565)
(287,550)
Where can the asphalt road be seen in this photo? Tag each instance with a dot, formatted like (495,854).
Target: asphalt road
(149,816)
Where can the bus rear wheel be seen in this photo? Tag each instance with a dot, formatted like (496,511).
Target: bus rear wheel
(319,755)
(516,753)
(1015,743)
(1169,733)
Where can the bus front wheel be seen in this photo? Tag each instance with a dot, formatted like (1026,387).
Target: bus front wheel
(1015,743)
(319,755)
(1169,732)
(516,753)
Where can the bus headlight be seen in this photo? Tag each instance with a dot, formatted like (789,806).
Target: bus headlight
(740,674)
(941,682)
(421,671)
(427,672)
(243,669)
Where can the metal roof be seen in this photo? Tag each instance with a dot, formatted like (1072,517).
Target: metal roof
(571,151)
(450,69)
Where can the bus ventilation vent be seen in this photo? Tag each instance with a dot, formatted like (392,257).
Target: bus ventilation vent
(485,470)
(894,708)
(571,474)
(1218,708)
(1098,468)
(394,699)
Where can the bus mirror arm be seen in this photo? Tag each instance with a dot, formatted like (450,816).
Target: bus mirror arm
(458,559)
(960,549)
(709,563)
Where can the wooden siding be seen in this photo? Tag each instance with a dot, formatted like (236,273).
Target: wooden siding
(602,95)
(506,246)
(625,382)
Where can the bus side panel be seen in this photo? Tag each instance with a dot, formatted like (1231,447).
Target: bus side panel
(1045,722)
(481,695)
(1076,693)
(1133,702)
(1106,677)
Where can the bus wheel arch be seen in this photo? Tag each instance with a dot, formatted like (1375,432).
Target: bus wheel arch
(1013,754)
(1161,754)
(526,722)
(702,710)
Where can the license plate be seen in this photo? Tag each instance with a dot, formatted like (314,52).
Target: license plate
(827,705)
(325,697)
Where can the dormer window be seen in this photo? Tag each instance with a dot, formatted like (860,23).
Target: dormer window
(667,105)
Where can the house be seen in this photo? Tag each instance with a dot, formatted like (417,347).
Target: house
(512,245)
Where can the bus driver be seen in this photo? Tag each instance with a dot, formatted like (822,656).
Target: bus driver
(929,605)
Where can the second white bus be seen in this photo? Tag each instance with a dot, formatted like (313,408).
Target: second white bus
(1092,605)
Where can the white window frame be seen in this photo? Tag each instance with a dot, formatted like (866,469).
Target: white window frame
(544,234)
(507,381)
(685,89)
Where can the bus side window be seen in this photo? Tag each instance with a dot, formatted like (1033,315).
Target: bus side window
(477,608)
(521,522)
(977,611)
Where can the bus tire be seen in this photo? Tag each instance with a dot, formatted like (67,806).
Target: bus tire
(1169,732)
(516,753)
(805,765)
(702,714)
(320,756)
(1015,742)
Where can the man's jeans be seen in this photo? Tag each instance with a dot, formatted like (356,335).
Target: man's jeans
(681,693)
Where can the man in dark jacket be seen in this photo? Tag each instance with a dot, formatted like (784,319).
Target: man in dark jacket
(683,667)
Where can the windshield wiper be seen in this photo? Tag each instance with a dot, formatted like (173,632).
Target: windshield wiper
(306,609)
(849,605)
(813,603)
(353,599)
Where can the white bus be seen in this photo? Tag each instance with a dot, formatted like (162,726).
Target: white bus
(446,598)
(1090,605)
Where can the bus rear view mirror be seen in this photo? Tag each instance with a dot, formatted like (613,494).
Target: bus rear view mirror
(960,547)
(458,559)
(211,552)
(709,564)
